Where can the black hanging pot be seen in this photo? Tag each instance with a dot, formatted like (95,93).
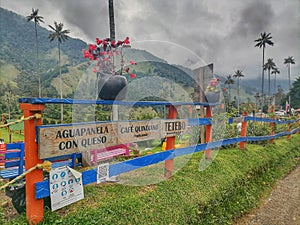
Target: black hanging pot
(212,97)
(111,87)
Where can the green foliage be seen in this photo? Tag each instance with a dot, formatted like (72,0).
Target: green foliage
(258,129)
(295,94)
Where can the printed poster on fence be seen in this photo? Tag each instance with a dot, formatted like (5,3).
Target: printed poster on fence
(65,187)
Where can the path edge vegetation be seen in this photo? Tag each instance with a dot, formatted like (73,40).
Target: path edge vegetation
(233,184)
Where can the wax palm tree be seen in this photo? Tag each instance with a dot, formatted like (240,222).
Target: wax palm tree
(61,35)
(111,20)
(238,74)
(275,71)
(288,61)
(270,65)
(37,20)
(229,81)
(262,42)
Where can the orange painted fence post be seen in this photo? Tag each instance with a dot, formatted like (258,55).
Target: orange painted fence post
(243,131)
(169,164)
(34,207)
(289,129)
(208,136)
(272,125)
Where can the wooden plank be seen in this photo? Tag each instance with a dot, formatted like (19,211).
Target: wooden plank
(62,140)
(134,131)
(66,139)
(174,127)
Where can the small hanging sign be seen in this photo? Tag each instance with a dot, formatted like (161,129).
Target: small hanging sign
(65,187)
(102,173)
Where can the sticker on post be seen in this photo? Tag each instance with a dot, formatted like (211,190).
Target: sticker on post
(102,173)
(65,187)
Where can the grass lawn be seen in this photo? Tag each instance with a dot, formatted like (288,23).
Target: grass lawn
(15,136)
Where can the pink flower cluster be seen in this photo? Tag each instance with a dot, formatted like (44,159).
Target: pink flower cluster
(104,52)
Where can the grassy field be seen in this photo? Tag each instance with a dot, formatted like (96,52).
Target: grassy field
(15,136)
(231,185)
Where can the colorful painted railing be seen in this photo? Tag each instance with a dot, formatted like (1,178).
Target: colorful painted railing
(37,189)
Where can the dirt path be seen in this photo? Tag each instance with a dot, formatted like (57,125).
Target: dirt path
(282,207)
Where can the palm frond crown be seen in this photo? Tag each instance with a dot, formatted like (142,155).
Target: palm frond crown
(263,40)
(58,32)
(35,17)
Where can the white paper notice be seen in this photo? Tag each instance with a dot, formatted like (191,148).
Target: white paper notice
(102,173)
(65,188)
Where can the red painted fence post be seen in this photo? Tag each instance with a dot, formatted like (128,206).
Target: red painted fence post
(243,131)
(170,144)
(208,136)
(289,129)
(34,207)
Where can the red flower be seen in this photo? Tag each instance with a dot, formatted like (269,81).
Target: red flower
(119,43)
(127,70)
(113,44)
(102,53)
(98,41)
(126,41)
(132,75)
(92,47)
(132,62)
(95,70)
(86,54)
(224,89)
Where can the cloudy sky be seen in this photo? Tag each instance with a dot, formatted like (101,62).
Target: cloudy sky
(189,32)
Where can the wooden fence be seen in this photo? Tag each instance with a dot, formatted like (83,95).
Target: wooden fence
(37,188)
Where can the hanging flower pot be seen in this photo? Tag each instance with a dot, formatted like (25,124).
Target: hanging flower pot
(212,97)
(111,83)
(212,93)
(111,87)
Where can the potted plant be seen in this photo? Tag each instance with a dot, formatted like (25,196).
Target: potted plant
(212,92)
(112,85)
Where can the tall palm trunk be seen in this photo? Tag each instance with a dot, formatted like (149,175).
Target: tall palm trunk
(274,83)
(269,86)
(289,74)
(61,92)
(111,20)
(263,74)
(112,33)
(238,94)
(38,60)
(229,93)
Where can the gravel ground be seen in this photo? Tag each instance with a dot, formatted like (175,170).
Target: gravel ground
(282,207)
